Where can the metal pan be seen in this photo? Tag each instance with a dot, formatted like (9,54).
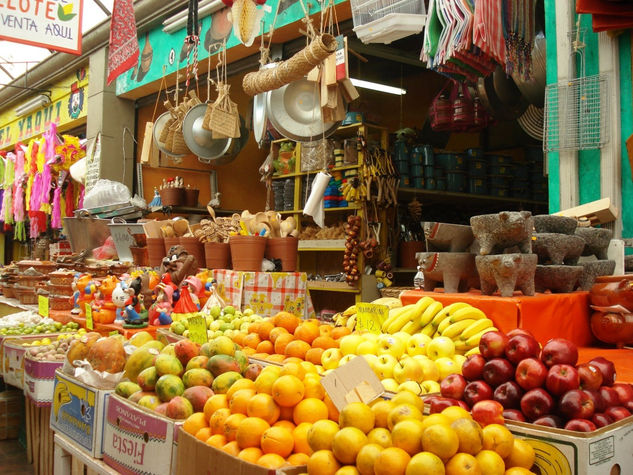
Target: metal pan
(494,104)
(259,117)
(159,125)
(199,140)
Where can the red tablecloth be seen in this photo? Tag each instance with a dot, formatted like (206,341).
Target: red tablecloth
(545,315)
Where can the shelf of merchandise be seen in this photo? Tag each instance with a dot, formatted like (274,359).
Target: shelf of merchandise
(446,196)
(332,286)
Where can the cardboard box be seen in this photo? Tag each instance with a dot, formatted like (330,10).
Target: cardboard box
(13,364)
(355,381)
(196,457)
(39,380)
(137,440)
(564,452)
(78,412)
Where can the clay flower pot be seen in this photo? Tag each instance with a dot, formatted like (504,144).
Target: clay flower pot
(217,255)
(247,252)
(285,249)
(155,251)
(171,241)
(194,247)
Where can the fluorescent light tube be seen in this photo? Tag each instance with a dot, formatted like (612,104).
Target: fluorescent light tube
(378,87)
(32,105)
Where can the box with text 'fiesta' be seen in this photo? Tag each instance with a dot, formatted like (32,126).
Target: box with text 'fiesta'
(78,412)
(39,380)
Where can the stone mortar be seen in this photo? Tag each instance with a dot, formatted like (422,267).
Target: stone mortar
(498,232)
(593,269)
(456,270)
(553,248)
(548,223)
(447,237)
(557,278)
(507,272)
(597,241)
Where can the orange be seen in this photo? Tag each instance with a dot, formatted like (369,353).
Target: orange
(217,440)
(281,342)
(463,464)
(325,330)
(264,382)
(470,435)
(264,329)
(231,424)
(275,332)
(239,338)
(276,358)
(347,443)
(313,355)
(243,383)
(407,435)
(248,351)
(347,470)
(293,368)
(239,401)
(285,413)
(265,346)
(272,461)
(381,409)
(254,327)
(297,348)
(313,387)
(440,440)
(498,438)
(380,436)
(195,422)
(391,461)
(217,420)
(292,359)
(490,463)
(324,342)
(517,471)
(252,340)
(359,415)
(333,413)
(288,390)
(250,454)
(263,406)
(217,401)
(321,435)
(309,410)
(408,397)
(307,332)
(298,459)
(300,434)
(401,412)
(231,448)
(522,455)
(366,458)
(277,440)
(285,424)
(323,462)
(426,463)
(287,320)
(340,332)
(249,432)
(203,434)
(310,368)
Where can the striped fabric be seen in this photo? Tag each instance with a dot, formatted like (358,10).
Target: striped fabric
(488,29)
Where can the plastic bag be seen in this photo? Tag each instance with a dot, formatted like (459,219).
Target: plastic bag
(106,193)
(105,252)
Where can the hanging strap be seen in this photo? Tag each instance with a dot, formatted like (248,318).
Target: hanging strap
(160,89)
(192,40)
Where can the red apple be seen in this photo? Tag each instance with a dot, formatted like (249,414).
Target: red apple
(530,373)
(629,406)
(519,331)
(625,392)
(601,420)
(590,376)
(438,403)
(559,351)
(476,391)
(509,395)
(473,367)
(617,412)
(598,402)
(549,421)
(514,415)
(453,386)
(580,425)
(492,345)
(488,412)
(609,396)
(521,347)
(607,368)
(561,378)
(498,371)
(576,404)
(536,403)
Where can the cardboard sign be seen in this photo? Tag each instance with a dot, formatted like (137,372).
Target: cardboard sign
(198,330)
(42,305)
(89,323)
(370,316)
(353,382)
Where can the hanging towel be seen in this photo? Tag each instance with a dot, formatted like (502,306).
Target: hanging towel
(123,52)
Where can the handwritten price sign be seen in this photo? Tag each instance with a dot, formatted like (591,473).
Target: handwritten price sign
(370,316)
(89,323)
(42,305)
(198,330)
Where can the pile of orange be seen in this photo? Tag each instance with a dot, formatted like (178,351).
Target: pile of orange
(266,421)
(286,336)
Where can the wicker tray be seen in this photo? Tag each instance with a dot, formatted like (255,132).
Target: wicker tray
(393,291)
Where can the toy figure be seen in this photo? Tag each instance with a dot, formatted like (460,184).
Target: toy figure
(103,308)
(160,311)
(119,296)
(136,315)
(84,289)
(195,286)
(178,264)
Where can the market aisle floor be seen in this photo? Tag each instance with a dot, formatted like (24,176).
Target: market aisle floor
(13,458)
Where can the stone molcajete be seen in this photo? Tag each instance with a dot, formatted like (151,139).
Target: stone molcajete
(596,241)
(505,230)
(447,237)
(593,269)
(557,278)
(507,272)
(548,223)
(455,269)
(613,326)
(554,248)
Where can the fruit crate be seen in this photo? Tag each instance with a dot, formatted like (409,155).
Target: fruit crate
(384,21)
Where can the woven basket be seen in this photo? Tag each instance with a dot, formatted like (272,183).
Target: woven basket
(393,291)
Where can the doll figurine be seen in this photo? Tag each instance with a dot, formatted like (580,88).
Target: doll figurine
(195,287)
(136,315)
(160,311)
(119,296)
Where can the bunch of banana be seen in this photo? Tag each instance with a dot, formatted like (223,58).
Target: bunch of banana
(353,189)
(411,318)
(463,324)
(346,318)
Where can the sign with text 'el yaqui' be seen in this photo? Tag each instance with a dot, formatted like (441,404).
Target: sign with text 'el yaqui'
(52,24)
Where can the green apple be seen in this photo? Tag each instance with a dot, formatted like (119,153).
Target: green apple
(440,347)
(384,366)
(412,386)
(430,387)
(244,327)
(178,328)
(346,359)
(215,311)
(248,312)
(390,384)
(330,358)
(388,344)
(447,366)
(229,309)
(417,344)
(349,343)
(367,347)
(408,370)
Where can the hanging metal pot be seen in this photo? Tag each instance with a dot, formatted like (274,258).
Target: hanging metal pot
(159,125)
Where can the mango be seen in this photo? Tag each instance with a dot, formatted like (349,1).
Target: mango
(179,408)
(149,401)
(147,378)
(126,388)
(139,360)
(198,396)
(167,364)
(169,350)
(138,395)
(157,345)
(168,387)
(242,360)
(221,345)
(223,382)
(197,362)
(140,338)
(185,350)
(219,364)
(197,377)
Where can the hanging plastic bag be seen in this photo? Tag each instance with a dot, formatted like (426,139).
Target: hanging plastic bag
(106,192)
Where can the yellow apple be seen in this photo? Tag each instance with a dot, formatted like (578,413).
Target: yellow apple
(368,336)
(384,366)
(390,385)
(447,366)
(430,387)
(412,386)
(408,370)
(349,343)
(346,359)
(440,347)
(459,360)
(371,360)
(429,368)
(403,336)
(319,368)
(417,344)
(388,344)
(367,347)
(330,358)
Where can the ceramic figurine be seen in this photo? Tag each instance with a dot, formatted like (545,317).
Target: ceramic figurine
(119,297)
(160,311)
(136,315)
(178,264)
(505,230)
(455,269)
(195,287)
(507,272)
(447,237)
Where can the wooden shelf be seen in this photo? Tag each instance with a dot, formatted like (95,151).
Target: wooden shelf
(313,172)
(342,208)
(322,245)
(194,210)
(404,270)
(451,195)
(332,286)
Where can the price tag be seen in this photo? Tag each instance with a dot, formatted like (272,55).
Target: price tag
(198,330)
(42,305)
(89,324)
(370,316)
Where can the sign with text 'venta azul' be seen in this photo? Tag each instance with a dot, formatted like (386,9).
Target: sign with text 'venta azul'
(52,24)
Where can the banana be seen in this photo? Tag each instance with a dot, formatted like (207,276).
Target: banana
(474,340)
(430,313)
(351,322)
(393,314)
(412,327)
(461,345)
(454,307)
(472,351)
(350,311)
(476,326)
(390,302)
(457,328)
(428,330)
(444,324)
(420,306)
(440,317)
(466,313)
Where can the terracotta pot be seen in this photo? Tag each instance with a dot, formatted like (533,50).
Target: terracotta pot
(406,253)
(155,251)
(139,256)
(169,242)
(247,252)
(194,247)
(285,249)
(191,197)
(614,328)
(617,292)
(172,196)
(217,255)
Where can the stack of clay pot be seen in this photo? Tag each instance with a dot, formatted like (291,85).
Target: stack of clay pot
(506,261)
(449,257)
